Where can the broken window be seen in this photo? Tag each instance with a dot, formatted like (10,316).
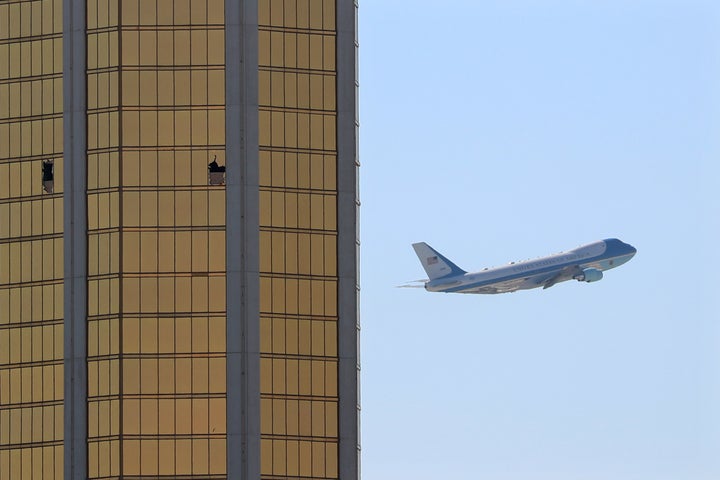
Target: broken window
(216,173)
(48,176)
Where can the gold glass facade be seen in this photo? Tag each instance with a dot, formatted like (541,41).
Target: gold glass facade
(156,239)
(156,326)
(31,241)
(298,239)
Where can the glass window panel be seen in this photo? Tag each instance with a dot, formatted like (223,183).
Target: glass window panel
(148,87)
(182,126)
(165,94)
(130,12)
(148,209)
(216,369)
(199,294)
(216,127)
(264,125)
(198,87)
(216,47)
(166,335)
(265,334)
(318,419)
(131,127)
(264,47)
(166,416)
(318,459)
(166,128)
(318,297)
(167,174)
(131,87)
(276,48)
(304,423)
(217,456)
(291,287)
(277,245)
(279,457)
(265,253)
(182,177)
(148,335)
(216,214)
(131,251)
(329,53)
(200,209)
(331,339)
(183,457)
(166,254)
(316,132)
(182,40)
(148,292)
(199,416)
(182,209)
(131,208)
(316,92)
(278,335)
(199,127)
(331,379)
(200,376)
(216,294)
(182,293)
(131,45)
(147,12)
(329,132)
(331,298)
(216,12)
(216,250)
(265,294)
(131,294)
(131,378)
(183,337)
(264,87)
(165,44)
(290,50)
(148,128)
(216,87)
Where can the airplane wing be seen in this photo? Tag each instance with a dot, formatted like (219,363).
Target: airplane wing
(565,274)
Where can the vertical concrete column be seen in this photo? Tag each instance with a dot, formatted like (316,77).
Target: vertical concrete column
(348,241)
(75,238)
(242,234)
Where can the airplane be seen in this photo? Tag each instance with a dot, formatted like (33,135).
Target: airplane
(585,263)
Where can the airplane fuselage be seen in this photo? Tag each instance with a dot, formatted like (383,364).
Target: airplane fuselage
(584,263)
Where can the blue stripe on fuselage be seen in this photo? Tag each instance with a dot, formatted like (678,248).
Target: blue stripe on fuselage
(613,249)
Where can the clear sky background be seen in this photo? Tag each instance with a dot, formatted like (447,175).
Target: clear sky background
(508,129)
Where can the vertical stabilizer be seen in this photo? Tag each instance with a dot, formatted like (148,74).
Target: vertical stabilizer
(436,265)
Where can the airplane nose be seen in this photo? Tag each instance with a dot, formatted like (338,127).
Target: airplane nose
(632,249)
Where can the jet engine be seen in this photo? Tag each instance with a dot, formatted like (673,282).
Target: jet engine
(589,275)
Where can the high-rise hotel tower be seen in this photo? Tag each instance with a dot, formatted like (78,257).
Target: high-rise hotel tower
(178,239)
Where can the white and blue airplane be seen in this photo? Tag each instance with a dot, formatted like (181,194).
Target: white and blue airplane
(585,263)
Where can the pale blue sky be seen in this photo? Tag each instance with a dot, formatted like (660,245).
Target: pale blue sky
(502,130)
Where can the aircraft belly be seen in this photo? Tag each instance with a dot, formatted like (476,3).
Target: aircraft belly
(501,287)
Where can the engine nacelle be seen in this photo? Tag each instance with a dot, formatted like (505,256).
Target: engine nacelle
(589,275)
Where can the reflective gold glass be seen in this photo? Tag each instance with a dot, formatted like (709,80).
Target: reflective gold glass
(31,247)
(298,257)
(156,119)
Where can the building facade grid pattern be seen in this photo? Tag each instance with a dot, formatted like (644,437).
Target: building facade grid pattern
(298,239)
(156,239)
(31,240)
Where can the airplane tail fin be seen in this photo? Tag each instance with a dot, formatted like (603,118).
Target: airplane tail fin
(436,265)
